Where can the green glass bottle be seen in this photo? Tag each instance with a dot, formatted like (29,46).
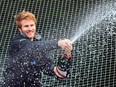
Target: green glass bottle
(64,61)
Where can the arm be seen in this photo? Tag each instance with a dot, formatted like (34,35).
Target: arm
(62,68)
(47,45)
(64,61)
(19,43)
(43,46)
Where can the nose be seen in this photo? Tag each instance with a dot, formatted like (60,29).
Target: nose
(30,28)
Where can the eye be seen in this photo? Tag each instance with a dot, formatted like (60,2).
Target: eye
(26,26)
(32,25)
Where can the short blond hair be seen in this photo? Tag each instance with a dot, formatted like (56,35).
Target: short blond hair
(24,15)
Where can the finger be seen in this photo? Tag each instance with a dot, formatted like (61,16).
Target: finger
(68,48)
(68,45)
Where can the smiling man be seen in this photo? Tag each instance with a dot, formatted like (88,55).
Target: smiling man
(30,55)
(28,28)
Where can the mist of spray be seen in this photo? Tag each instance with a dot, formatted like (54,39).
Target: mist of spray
(95,17)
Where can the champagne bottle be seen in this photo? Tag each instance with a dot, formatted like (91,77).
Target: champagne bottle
(64,61)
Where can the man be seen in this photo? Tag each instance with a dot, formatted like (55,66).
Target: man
(30,56)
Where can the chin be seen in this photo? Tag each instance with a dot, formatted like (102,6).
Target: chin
(30,36)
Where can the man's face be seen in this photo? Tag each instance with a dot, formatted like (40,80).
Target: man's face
(28,28)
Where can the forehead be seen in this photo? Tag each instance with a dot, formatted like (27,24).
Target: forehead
(27,22)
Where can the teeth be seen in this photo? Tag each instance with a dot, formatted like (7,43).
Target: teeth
(30,32)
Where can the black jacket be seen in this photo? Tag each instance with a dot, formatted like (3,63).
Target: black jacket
(28,57)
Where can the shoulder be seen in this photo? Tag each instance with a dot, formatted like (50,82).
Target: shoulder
(17,43)
(17,40)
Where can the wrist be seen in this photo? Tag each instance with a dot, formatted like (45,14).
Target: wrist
(59,43)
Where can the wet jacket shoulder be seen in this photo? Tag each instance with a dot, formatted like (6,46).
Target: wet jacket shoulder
(26,53)
(20,41)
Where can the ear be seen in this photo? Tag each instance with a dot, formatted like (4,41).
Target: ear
(19,29)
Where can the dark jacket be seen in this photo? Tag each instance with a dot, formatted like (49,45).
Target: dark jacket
(29,58)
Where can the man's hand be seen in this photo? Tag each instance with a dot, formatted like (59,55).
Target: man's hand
(66,45)
(62,68)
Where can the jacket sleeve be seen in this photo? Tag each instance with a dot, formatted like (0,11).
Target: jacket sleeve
(38,49)
(46,45)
